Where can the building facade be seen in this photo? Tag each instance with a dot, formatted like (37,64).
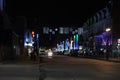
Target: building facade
(95,28)
(10,45)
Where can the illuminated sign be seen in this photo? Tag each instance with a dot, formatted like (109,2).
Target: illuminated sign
(28,39)
(62,30)
(76,41)
(28,44)
(46,30)
(118,40)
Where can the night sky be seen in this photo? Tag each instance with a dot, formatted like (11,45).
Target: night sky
(55,13)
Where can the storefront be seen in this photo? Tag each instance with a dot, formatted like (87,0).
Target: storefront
(102,40)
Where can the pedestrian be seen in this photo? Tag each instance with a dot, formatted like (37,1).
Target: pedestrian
(34,55)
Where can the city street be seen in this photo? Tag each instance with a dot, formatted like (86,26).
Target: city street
(60,40)
(61,68)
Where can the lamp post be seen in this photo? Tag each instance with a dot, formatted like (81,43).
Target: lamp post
(108,42)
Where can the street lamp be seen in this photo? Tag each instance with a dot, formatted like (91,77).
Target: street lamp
(108,35)
(108,42)
(108,29)
(33,34)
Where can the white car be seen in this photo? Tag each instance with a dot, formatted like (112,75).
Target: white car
(50,53)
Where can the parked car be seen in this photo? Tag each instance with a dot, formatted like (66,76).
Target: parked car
(66,52)
(42,51)
(74,52)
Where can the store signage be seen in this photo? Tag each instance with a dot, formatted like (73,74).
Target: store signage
(118,40)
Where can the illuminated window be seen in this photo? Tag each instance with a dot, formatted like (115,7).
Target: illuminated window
(73,32)
(53,32)
(61,30)
(71,29)
(50,30)
(76,31)
(46,30)
(56,29)
(66,30)
(80,30)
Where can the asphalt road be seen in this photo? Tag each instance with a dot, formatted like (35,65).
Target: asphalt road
(62,68)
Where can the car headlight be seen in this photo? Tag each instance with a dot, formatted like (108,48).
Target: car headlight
(50,53)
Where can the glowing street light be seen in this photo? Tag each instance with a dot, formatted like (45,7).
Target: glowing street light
(33,32)
(108,29)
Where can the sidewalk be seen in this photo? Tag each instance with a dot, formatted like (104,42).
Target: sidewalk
(21,60)
(111,59)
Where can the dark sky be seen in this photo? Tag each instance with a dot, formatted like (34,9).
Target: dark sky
(53,13)
(57,12)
